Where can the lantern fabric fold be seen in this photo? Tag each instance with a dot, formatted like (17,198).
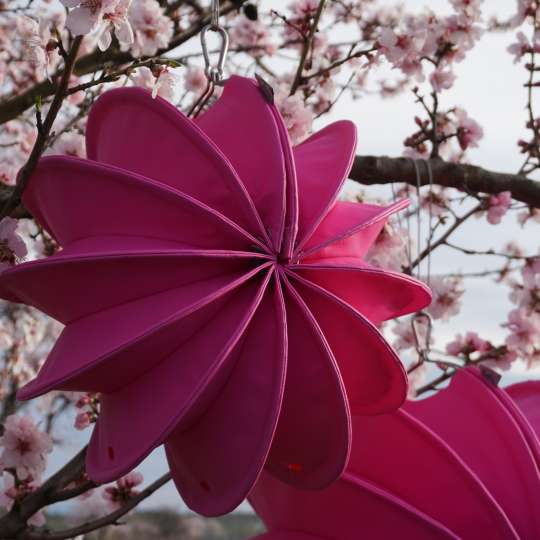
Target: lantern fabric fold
(454,465)
(190,305)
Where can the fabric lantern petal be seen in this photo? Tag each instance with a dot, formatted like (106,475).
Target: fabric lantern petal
(66,191)
(93,278)
(181,146)
(374,377)
(134,420)
(288,535)
(509,471)
(485,482)
(244,126)
(378,294)
(238,428)
(349,230)
(186,302)
(526,398)
(312,378)
(322,164)
(79,361)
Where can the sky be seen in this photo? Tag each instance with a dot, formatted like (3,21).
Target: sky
(490,88)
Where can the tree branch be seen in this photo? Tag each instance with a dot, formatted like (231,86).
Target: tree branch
(370,170)
(14,522)
(12,107)
(109,519)
(43,132)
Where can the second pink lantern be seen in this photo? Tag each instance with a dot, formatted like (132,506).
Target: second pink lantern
(463,464)
(214,293)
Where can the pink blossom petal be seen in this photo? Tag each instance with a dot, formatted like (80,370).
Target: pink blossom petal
(239,426)
(124,32)
(105,39)
(81,21)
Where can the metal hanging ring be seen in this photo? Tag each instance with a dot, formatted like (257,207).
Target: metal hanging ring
(422,348)
(215,73)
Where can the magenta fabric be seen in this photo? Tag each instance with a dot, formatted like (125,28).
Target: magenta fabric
(214,293)
(460,464)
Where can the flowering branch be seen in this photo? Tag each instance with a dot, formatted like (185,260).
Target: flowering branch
(15,521)
(308,43)
(13,107)
(109,519)
(370,170)
(44,130)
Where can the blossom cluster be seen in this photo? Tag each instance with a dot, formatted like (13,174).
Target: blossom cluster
(23,457)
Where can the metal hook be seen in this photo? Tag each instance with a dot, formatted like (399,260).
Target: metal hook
(215,73)
(422,349)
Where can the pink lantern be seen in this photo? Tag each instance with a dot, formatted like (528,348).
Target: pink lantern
(461,464)
(214,293)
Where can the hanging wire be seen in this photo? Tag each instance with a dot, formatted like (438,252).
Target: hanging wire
(430,210)
(422,317)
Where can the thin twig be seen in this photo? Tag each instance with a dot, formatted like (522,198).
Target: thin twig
(43,132)
(308,43)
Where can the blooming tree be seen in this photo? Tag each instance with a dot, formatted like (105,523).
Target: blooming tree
(58,56)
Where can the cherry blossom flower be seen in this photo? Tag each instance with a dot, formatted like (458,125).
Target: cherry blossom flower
(469,131)
(298,118)
(442,79)
(447,293)
(38,47)
(519,48)
(253,36)
(498,206)
(123,490)
(163,82)
(529,214)
(69,144)
(303,8)
(88,404)
(12,492)
(436,202)
(526,8)
(116,19)
(87,15)
(465,345)
(151,27)
(524,337)
(12,246)
(405,335)
(469,8)
(195,80)
(24,447)
(389,250)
